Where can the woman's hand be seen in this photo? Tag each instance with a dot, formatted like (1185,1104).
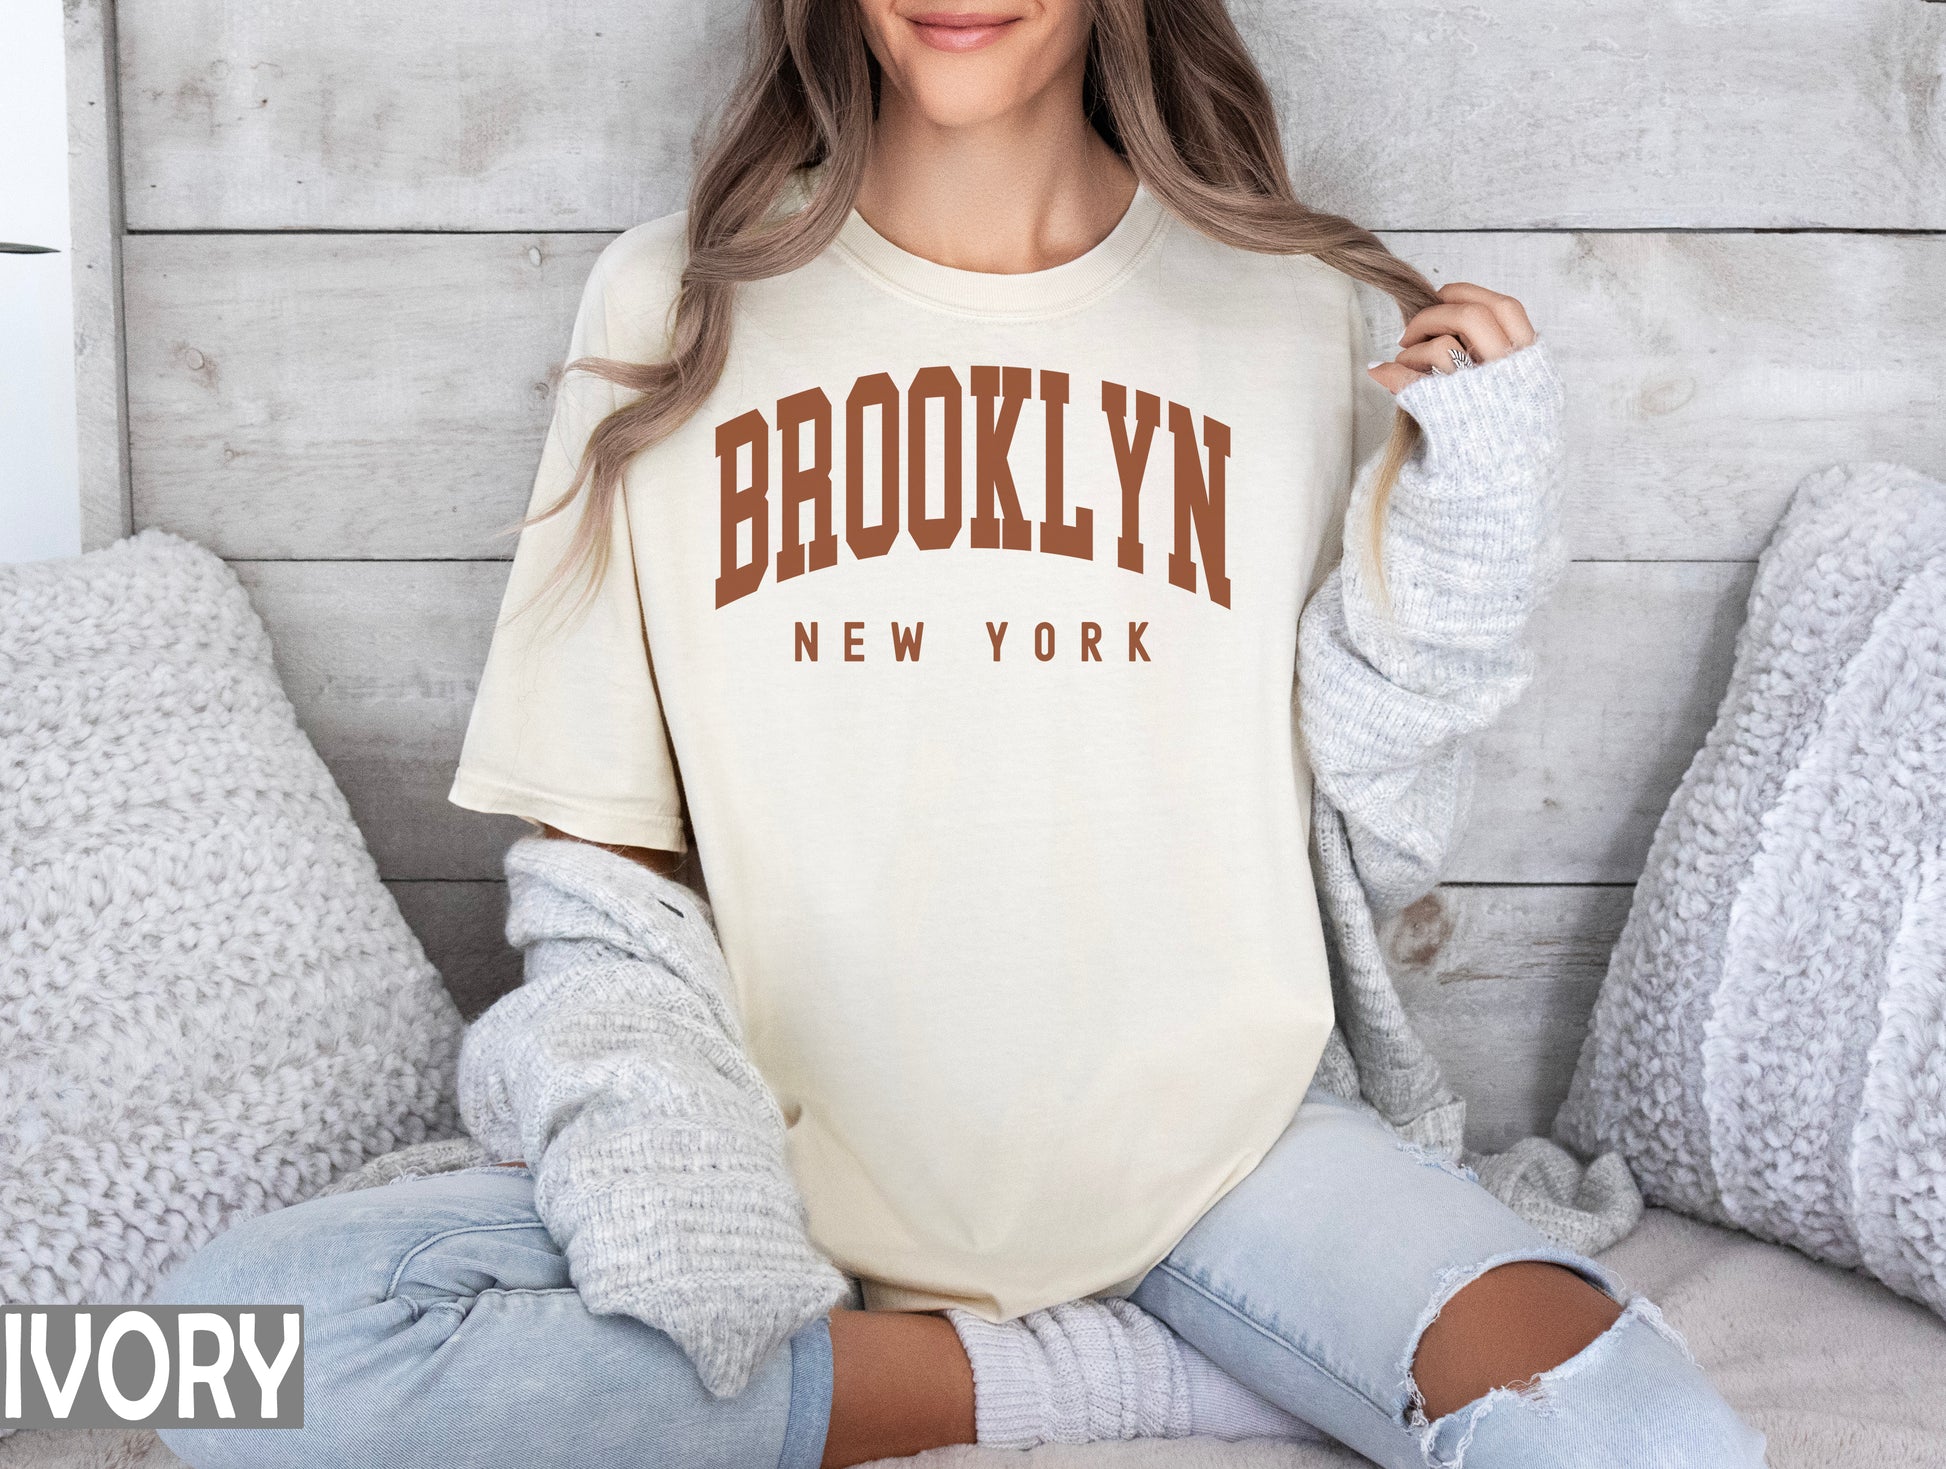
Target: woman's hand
(1485,324)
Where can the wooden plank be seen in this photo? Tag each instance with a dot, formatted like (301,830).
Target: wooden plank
(1500,981)
(1632,661)
(494,114)
(1445,114)
(1707,374)
(463,926)
(385,396)
(447,114)
(95,234)
(381,660)
(345,396)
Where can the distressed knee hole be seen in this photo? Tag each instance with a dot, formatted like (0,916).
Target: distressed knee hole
(1443,1441)
(1479,1345)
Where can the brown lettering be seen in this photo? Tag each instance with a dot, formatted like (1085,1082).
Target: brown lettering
(1199,502)
(800,484)
(854,642)
(905,642)
(743,504)
(804,529)
(1091,642)
(994,635)
(932,533)
(880,392)
(998,393)
(1131,461)
(806,645)
(1043,640)
(1135,649)
(1057,535)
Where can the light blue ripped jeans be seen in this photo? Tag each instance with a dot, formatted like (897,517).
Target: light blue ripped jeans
(441,1328)
(1312,1279)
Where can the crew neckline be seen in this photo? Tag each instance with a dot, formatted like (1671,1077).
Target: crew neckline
(1058,288)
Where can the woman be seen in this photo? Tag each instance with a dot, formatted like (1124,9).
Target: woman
(975,442)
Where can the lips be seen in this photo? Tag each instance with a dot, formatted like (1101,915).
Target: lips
(960,30)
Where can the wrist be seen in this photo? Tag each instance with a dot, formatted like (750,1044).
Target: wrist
(1492,416)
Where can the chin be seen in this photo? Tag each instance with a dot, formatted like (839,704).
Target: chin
(966,74)
(958,98)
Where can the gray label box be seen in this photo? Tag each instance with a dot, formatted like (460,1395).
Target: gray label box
(151,1366)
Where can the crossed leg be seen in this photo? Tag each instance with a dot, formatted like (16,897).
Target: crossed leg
(902,1383)
(1352,1284)
(1376,1290)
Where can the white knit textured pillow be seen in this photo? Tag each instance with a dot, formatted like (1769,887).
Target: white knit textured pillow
(1769,1047)
(209,1004)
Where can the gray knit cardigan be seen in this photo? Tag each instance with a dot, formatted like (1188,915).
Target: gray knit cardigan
(618,1071)
(1393,683)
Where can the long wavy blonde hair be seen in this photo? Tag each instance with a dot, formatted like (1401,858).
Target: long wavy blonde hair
(1169,85)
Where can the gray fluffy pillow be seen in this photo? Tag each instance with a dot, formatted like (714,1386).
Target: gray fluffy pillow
(1769,1047)
(209,1004)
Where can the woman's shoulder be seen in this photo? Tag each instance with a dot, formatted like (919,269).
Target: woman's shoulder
(1370,310)
(645,261)
(627,303)
(1232,288)
(1328,279)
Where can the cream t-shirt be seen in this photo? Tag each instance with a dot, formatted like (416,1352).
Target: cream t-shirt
(961,621)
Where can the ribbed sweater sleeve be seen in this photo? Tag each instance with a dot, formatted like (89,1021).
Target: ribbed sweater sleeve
(618,1072)
(1393,685)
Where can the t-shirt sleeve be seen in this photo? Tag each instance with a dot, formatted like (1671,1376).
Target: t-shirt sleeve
(1372,408)
(566,726)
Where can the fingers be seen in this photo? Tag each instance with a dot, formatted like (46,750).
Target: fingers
(1392,376)
(1511,315)
(1435,355)
(1484,324)
(1487,323)
(1415,362)
(1473,324)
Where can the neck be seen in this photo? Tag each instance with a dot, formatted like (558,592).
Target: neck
(1026,191)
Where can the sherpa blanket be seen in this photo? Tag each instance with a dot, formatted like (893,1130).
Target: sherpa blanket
(1769,1047)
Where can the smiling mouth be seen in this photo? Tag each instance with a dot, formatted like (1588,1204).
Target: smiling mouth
(960,31)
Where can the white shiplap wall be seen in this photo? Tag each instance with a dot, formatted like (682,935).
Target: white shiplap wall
(356,234)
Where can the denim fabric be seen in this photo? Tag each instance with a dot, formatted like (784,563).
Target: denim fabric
(441,1328)
(1312,1280)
